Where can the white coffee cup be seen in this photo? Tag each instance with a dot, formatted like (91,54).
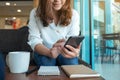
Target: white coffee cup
(18,61)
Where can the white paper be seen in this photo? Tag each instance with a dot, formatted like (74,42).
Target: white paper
(49,70)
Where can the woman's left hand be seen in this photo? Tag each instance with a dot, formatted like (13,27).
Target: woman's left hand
(74,52)
(71,53)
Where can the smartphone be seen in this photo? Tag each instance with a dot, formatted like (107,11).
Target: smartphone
(74,41)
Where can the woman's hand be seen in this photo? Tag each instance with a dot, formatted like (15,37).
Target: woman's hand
(59,43)
(56,50)
(74,52)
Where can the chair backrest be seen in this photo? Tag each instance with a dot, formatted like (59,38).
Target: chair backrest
(14,40)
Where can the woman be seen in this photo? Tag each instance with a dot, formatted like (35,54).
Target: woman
(50,25)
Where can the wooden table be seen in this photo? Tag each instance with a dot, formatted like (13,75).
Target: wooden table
(34,76)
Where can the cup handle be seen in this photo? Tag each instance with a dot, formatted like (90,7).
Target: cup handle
(7,62)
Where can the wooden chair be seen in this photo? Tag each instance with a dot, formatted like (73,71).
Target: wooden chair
(109,51)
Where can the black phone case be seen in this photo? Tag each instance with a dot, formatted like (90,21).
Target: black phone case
(74,41)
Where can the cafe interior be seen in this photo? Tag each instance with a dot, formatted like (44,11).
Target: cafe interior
(99,24)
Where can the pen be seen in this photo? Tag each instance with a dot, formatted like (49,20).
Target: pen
(31,71)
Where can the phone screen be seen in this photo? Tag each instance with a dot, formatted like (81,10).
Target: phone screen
(74,41)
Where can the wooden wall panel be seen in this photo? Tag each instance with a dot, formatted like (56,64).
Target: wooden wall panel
(35,3)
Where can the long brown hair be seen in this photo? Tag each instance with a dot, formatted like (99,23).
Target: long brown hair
(45,12)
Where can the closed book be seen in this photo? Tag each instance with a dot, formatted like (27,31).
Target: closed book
(48,70)
(79,71)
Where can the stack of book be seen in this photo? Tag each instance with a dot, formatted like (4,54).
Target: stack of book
(79,71)
(48,70)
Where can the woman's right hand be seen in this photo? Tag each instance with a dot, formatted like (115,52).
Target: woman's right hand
(55,50)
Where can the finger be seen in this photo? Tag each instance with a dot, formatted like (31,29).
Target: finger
(61,40)
(56,45)
(79,47)
(70,47)
(73,49)
(69,53)
(66,55)
(73,52)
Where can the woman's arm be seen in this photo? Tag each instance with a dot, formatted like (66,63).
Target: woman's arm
(35,39)
(40,48)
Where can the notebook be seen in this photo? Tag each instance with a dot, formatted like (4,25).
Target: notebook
(48,70)
(79,71)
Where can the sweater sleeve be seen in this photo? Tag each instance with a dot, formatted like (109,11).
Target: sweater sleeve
(34,32)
